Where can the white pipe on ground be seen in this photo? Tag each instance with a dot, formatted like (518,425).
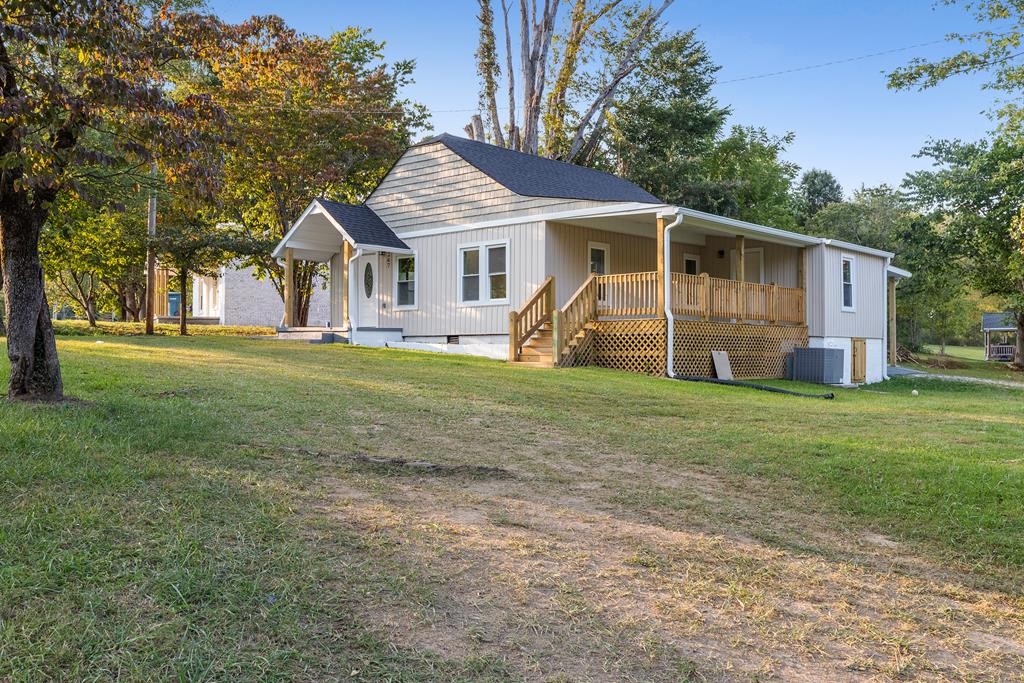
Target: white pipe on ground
(670,320)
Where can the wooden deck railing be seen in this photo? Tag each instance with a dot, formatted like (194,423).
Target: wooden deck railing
(627,295)
(580,309)
(531,317)
(702,296)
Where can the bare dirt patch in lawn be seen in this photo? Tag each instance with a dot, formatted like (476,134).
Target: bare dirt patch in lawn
(557,581)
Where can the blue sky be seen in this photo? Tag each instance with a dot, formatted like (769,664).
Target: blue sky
(843,116)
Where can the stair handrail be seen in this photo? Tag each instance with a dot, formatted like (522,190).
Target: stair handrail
(580,309)
(531,316)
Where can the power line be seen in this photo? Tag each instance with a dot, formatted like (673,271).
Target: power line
(822,65)
(771,74)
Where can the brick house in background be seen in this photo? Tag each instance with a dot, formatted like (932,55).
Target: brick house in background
(236,297)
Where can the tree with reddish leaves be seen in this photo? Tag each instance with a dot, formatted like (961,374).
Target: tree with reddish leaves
(308,116)
(84,93)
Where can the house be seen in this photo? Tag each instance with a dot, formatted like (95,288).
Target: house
(235,297)
(1000,330)
(472,248)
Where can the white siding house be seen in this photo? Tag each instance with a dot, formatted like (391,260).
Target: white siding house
(468,247)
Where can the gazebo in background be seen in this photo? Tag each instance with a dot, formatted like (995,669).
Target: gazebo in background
(1000,330)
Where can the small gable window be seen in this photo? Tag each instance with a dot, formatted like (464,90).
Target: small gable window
(405,282)
(483,273)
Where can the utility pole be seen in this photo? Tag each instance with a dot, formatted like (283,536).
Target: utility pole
(151,260)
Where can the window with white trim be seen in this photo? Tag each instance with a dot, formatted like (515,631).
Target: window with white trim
(849,283)
(691,264)
(405,282)
(483,273)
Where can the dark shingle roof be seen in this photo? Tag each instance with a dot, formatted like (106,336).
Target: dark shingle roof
(362,224)
(998,321)
(533,176)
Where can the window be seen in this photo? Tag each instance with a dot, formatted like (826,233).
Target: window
(470,274)
(405,282)
(483,273)
(849,284)
(691,264)
(496,272)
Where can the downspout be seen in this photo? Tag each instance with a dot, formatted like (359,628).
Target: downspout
(885,321)
(670,336)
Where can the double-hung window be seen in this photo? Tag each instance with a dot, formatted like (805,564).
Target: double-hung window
(849,284)
(483,273)
(405,282)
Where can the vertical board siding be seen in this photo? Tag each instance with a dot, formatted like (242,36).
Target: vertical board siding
(438,311)
(825,315)
(780,260)
(431,186)
(567,257)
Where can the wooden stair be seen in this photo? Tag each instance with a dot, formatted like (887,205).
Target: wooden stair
(538,349)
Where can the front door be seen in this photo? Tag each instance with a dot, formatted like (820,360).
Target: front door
(367,286)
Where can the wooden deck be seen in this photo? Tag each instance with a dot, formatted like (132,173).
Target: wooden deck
(614,321)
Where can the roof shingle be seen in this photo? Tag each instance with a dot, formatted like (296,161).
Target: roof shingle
(998,321)
(530,175)
(362,224)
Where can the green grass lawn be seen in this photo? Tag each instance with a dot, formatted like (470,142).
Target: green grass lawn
(973,357)
(196,513)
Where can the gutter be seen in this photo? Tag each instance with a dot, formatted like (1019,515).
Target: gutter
(670,336)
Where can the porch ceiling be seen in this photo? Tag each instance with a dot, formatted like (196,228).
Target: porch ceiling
(695,230)
(315,238)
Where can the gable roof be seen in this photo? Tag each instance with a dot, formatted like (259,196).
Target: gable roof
(363,225)
(532,176)
(998,321)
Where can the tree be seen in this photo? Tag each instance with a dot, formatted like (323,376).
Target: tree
(979,188)
(82,89)
(309,117)
(817,189)
(873,217)
(1000,36)
(190,242)
(574,109)
(751,180)
(95,255)
(666,125)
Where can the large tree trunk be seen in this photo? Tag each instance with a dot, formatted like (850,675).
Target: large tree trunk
(31,346)
(1018,354)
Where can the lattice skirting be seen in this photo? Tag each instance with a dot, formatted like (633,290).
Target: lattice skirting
(632,345)
(582,354)
(638,345)
(755,351)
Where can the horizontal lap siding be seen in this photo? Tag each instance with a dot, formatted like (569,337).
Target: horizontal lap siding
(432,187)
(438,310)
(825,315)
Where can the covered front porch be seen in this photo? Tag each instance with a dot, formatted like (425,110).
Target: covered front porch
(670,318)
(351,240)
